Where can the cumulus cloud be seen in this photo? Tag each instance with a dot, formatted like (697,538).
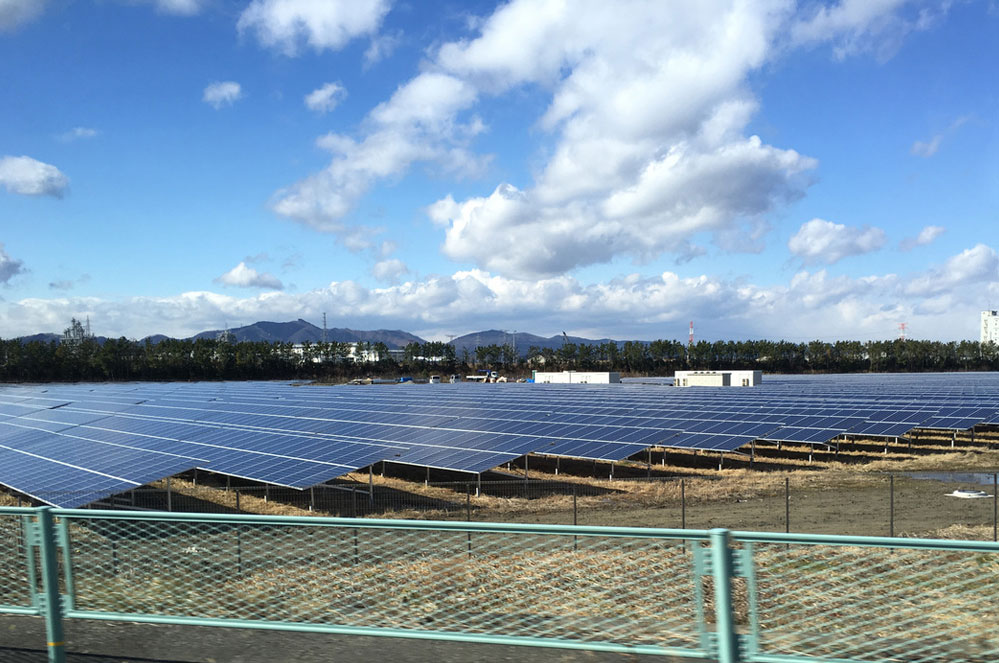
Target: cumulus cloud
(242,276)
(325,98)
(926,236)
(30,177)
(15,13)
(287,25)
(646,148)
(415,124)
(974,266)
(820,241)
(78,133)
(942,302)
(389,271)
(222,93)
(9,267)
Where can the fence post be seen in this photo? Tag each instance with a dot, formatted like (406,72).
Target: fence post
(683,504)
(787,505)
(891,505)
(721,571)
(50,585)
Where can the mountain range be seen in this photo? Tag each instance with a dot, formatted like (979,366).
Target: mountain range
(300,331)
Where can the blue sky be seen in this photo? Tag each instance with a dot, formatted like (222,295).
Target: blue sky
(768,169)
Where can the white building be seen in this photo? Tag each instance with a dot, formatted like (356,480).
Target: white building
(576,377)
(990,327)
(717,378)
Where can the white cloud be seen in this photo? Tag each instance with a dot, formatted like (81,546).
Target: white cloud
(242,276)
(860,26)
(181,7)
(926,236)
(15,13)
(175,7)
(930,147)
(78,133)
(977,265)
(31,177)
(416,124)
(819,241)
(222,93)
(645,146)
(321,24)
(942,302)
(325,98)
(9,267)
(389,271)
(381,47)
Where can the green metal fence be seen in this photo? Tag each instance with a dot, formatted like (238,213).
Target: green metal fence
(715,595)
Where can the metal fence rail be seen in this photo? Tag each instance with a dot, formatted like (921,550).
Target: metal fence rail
(718,595)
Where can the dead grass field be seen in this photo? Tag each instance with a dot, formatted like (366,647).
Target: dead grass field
(833,493)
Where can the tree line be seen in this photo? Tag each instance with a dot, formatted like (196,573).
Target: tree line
(85,359)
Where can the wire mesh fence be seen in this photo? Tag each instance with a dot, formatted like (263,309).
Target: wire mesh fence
(861,603)
(726,596)
(16,565)
(925,504)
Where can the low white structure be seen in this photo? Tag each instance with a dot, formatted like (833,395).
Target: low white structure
(717,378)
(990,327)
(576,377)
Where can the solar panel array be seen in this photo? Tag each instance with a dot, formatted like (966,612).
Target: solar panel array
(96,440)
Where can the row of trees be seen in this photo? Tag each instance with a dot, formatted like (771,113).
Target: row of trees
(210,359)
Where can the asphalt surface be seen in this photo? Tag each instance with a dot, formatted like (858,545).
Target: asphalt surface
(22,640)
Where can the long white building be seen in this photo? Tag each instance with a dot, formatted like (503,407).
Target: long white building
(990,327)
(717,378)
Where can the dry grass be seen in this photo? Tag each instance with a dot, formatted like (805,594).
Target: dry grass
(247,503)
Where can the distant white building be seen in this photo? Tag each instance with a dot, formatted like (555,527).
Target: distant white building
(576,377)
(717,378)
(990,327)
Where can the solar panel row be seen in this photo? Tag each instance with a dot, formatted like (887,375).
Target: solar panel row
(108,438)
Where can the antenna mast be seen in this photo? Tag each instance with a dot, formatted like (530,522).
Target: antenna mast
(690,340)
(324,326)
(901,330)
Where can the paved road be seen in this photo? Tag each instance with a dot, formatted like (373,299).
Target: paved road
(22,640)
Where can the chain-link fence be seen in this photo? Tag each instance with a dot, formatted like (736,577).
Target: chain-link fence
(742,596)
(922,504)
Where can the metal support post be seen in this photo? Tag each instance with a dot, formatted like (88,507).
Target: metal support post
(721,571)
(371,483)
(683,504)
(169,496)
(50,586)
(787,505)
(995,507)
(891,505)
